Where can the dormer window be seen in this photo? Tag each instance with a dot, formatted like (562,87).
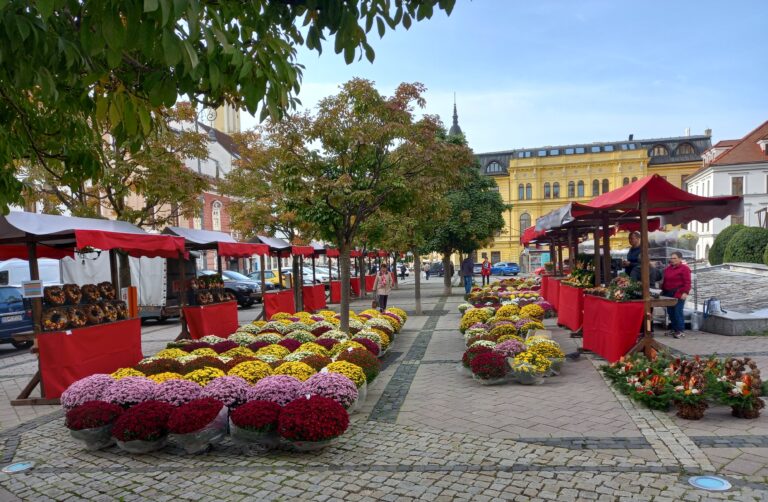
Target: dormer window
(659,151)
(763,144)
(493,167)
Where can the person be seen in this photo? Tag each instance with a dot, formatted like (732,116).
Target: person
(383,285)
(451,269)
(402,271)
(485,271)
(426,270)
(632,263)
(466,270)
(677,284)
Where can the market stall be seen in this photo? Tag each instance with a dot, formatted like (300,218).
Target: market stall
(571,306)
(82,330)
(611,328)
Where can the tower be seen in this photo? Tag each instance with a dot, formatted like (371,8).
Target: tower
(455,130)
(227,119)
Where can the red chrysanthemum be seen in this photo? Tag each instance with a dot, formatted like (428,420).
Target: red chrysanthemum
(259,416)
(368,362)
(224,346)
(194,415)
(147,421)
(372,346)
(315,419)
(92,414)
(290,344)
(326,343)
(317,361)
(489,365)
(473,352)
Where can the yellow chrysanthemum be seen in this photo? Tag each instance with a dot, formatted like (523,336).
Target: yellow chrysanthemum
(260,323)
(349,370)
(399,312)
(162,377)
(349,344)
(204,376)
(507,311)
(313,347)
(273,350)
(239,351)
(280,316)
(126,372)
(251,371)
(504,338)
(299,370)
(532,311)
(385,340)
(371,312)
(205,351)
(327,313)
(171,354)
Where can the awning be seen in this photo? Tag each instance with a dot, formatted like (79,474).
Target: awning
(302,250)
(530,234)
(136,245)
(21,252)
(334,253)
(222,242)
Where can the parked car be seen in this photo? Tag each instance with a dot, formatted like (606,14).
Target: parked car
(477,268)
(502,268)
(15,316)
(246,290)
(269,276)
(437,269)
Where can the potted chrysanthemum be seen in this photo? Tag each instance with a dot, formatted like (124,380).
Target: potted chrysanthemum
(91,423)
(198,424)
(143,428)
(253,426)
(312,422)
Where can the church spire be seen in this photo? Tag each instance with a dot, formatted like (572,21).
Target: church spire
(455,129)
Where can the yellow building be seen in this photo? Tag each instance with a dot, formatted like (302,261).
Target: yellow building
(536,181)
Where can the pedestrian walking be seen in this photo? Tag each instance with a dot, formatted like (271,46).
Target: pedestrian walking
(485,271)
(426,270)
(467,268)
(676,284)
(402,271)
(383,285)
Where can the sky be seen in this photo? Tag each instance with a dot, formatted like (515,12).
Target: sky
(554,72)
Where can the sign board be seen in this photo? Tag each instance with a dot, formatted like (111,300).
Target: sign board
(124,294)
(32,289)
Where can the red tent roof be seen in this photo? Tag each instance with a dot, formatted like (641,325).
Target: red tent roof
(530,234)
(224,244)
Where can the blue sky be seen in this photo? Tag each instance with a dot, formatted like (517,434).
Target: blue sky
(545,72)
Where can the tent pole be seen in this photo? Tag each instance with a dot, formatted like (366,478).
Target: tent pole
(182,299)
(262,265)
(571,255)
(606,249)
(644,270)
(596,247)
(34,274)
(560,257)
(113,270)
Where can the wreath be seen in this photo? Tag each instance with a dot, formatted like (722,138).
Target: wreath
(73,294)
(204,297)
(77,317)
(91,293)
(107,290)
(110,312)
(194,284)
(55,319)
(122,309)
(94,313)
(53,295)
(218,296)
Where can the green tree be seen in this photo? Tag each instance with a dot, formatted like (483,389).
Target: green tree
(746,246)
(361,153)
(148,187)
(68,63)
(476,216)
(717,250)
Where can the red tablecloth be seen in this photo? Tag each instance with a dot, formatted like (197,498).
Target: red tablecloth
(282,301)
(335,291)
(571,303)
(554,292)
(314,297)
(354,283)
(545,287)
(611,328)
(369,280)
(94,349)
(219,319)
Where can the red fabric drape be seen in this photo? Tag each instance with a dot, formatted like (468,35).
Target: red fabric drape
(66,358)
(20,252)
(219,319)
(137,245)
(571,307)
(314,297)
(335,291)
(241,249)
(369,280)
(554,292)
(282,301)
(611,328)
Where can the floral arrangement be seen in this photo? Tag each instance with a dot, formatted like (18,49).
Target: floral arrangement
(224,346)
(369,363)
(155,366)
(624,289)
(164,377)
(204,376)
(483,343)
(509,348)
(270,338)
(274,327)
(508,311)
(147,421)
(539,363)
(177,392)
(170,354)
(532,311)
(316,418)
(251,371)
(194,415)
(298,370)
(260,344)
(257,416)
(129,391)
(126,372)
(326,343)
(398,312)
(488,337)
(344,346)
(238,351)
(473,316)
(597,291)
(205,351)
(369,335)
(463,307)
(490,365)
(545,347)
(334,334)
(741,386)
(274,350)
(473,352)
(290,344)
(231,390)
(317,361)
(269,359)
(369,345)
(349,370)
(322,327)
(202,362)
(333,386)
(302,336)
(92,414)
(280,389)
(381,324)
(243,333)
(90,388)
(504,329)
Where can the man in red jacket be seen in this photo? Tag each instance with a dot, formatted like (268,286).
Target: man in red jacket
(677,284)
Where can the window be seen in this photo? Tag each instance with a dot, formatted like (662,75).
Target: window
(608,148)
(606,186)
(580,149)
(218,169)
(525,221)
(569,151)
(624,146)
(554,152)
(216,215)
(542,153)
(520,155)
(632,146)
(495,256)
(737,188)
(595,149)
(520,192)
(556,190)
(580,189)
(528,191)
(625,182)
(659,151)
(685,149)
(493,167)
(571,189)
(197,221)
(595,188)
(634,178)
(547,191)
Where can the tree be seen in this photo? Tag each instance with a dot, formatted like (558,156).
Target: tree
(717,250)
(476,216)
(150,186)
(68,63)
(361,153)
(746,246)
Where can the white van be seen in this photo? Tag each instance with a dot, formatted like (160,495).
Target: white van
(14,271)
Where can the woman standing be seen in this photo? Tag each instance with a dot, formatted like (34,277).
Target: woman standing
(677,284)
(383,285)
(485,271)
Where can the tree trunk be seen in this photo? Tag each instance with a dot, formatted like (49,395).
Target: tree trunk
(417,287)
(447,274)
(344,277)
(361,275)
(298,282)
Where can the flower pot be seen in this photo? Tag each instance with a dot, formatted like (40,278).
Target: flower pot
(95,438)
(306,446)
(691,411)
(740,412)
(528,378)
(463,370)
(252,442)
(362,393)
(556,367)
(354,406)
(490,381)
(202,440)
(140,447)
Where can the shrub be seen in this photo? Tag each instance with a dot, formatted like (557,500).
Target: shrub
(717,251)
(747,246)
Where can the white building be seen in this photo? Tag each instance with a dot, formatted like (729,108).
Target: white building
(733,167)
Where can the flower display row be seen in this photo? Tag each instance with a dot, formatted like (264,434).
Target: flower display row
(690,384)
(289,358)
(621,289)
(518,292)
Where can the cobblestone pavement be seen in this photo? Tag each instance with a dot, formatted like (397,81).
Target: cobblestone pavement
(425,432)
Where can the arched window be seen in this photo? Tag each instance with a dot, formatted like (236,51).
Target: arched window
(555,190)
(547,190)
(525,221)
(493,167)
(595,187)
(659,151)
(626,181)
(634,178)
(520,192)
(685,149)
(528,192)
(571,189)
(580,189)
(606,186)
(216,215)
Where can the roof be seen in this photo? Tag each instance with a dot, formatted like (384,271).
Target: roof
(726,143)
(747,150)
(224,139)
(222,242)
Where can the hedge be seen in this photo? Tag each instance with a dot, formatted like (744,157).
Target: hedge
(765,255)
(747,246)
(717,250)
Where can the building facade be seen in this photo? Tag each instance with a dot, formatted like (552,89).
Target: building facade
(733,167)
(537,180)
